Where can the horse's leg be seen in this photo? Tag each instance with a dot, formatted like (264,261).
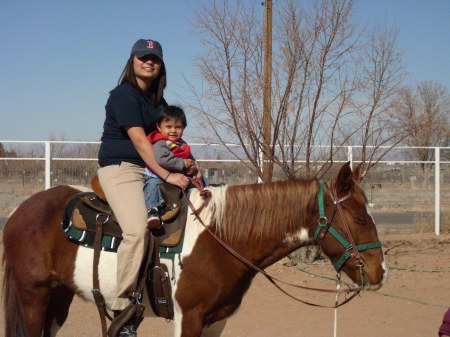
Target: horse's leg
(214,330)
(191,326)
(34,305)
(57,310)
(188,325)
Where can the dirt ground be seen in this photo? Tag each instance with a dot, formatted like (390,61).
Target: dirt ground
(412,303)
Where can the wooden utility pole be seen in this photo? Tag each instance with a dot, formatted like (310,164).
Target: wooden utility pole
(267,165)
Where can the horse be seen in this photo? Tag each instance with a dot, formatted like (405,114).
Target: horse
(262,222)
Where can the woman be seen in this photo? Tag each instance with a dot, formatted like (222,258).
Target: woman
(131,113)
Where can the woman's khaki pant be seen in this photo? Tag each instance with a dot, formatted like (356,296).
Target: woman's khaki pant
(123,187)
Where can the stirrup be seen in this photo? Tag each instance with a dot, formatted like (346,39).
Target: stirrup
(170,212)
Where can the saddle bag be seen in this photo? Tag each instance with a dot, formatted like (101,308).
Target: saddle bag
(159,289)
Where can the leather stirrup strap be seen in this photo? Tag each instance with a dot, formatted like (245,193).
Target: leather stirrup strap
(98,297)
(152,253)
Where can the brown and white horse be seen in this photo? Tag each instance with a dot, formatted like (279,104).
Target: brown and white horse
(263,222)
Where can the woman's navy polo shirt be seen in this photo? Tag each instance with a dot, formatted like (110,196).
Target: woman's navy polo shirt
(126,106)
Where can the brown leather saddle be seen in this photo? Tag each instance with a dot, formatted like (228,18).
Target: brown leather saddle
(90,207)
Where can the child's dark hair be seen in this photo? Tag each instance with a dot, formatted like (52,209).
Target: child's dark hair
(172,112)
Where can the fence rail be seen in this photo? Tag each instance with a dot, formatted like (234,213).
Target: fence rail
(404,194)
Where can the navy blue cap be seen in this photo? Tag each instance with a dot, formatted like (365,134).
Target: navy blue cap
(144,47)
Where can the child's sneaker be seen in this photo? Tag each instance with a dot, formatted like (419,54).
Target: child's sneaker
(153,219)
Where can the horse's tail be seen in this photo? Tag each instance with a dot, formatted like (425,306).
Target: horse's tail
(14,322)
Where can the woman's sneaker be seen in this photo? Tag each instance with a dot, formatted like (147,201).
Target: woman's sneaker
(153,220)
(128,330)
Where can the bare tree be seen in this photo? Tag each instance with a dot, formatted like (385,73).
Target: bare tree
(381,80)
(331,82)
(5,153)
(58,150)
(422,114)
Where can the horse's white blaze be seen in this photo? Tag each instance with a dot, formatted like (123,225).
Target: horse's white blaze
(383,264)
(300,236)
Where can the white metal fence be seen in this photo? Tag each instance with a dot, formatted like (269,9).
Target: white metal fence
(404,194)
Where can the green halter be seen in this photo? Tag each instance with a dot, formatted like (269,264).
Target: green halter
(323,223)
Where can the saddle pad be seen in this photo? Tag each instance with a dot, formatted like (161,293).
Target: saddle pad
(84,237)
(79,227)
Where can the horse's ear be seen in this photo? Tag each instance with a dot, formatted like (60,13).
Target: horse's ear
(344,181)
(356,174)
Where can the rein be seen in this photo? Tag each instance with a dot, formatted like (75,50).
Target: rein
(207,194)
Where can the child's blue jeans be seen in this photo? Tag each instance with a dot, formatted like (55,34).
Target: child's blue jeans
(152,194)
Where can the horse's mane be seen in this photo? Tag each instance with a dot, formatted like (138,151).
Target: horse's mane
(258,211)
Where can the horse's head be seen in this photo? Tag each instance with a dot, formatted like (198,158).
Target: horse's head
(346,231)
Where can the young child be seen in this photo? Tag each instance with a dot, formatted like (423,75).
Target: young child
(173,154)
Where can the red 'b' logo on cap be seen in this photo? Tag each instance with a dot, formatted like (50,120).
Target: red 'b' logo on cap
(150,44)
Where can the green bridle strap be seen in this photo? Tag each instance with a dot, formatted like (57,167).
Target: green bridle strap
(321,211)
(320,200)
(360,248)
(323,222)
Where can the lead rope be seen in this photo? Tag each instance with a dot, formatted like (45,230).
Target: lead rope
(338,287)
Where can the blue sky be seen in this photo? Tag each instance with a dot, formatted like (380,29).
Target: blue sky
(60,58)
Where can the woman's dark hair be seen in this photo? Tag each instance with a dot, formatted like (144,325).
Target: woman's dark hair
(157,87)
(172,113)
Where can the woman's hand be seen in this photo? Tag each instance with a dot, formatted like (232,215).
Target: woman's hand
(178,179)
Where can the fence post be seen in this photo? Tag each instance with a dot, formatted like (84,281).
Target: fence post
(437,190)
(350,155)
(261,165)
(47,165)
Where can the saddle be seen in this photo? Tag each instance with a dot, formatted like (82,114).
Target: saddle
(85,209)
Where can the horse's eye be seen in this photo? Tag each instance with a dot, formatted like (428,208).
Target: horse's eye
(360,221)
